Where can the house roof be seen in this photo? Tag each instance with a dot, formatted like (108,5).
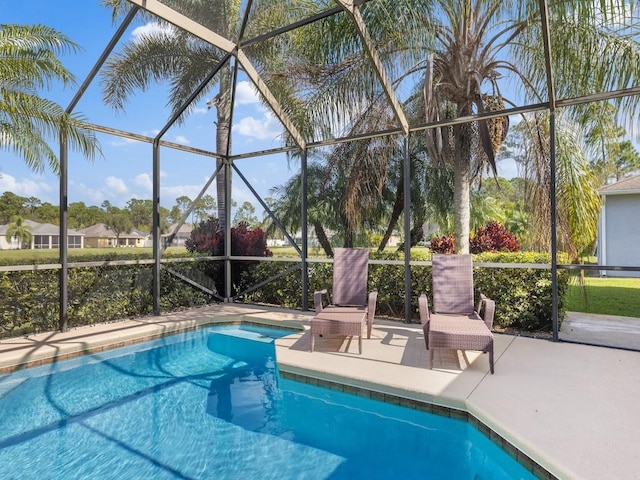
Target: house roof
(185,229)
(37,228)
(626,185)
(100,230)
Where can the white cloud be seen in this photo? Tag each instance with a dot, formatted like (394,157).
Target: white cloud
(26,187)
(169,194)
(182,140)
(79,192)
(115,186)
(151,28)
(246,93)
(123,141)
(144,180)
(266,128)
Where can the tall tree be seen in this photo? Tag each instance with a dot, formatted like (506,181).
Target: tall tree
(286,204)
(626,160)
(577,196)
(48,213)
(119,222)
(28,121)
(141,213)
(203,208)
(20,231)
(246,214)
(168,54)
(459,50)
(11,205)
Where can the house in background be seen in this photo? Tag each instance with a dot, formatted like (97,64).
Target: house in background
(619,228)
(100,236)
(180,236)
(43,236)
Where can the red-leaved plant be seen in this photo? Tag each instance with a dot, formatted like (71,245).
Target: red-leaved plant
(207,238)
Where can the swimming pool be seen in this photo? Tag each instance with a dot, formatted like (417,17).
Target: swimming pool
(210,404)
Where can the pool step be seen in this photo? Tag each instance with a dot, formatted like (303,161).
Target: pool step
(242,345)
(8,385)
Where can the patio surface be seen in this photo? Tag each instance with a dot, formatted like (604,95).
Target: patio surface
(572,408)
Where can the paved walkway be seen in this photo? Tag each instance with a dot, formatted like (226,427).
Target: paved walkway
(603,330)
(572,408)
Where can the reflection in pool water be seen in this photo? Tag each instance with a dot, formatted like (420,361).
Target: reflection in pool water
(210,404)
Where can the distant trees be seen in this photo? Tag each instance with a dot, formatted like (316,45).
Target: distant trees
(136,214)
(119,222)
(246,214)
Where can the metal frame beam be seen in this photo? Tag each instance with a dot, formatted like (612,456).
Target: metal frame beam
(370,50)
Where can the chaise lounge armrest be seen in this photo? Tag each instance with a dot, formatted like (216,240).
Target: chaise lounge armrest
(317,299)
(486,310)
(423,309)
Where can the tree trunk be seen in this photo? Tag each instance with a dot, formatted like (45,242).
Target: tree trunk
(348,234)
(398,207)
(223,142)
(322,238)
(461,179)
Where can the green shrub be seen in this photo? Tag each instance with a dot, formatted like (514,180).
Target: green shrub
(522,295)
(30,299)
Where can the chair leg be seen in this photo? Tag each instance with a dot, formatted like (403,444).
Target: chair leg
(312,340)
(491,358)
(431,358)
(360,344)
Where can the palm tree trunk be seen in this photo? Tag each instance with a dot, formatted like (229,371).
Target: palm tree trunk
(321,235)
(398,207)
(461,179)
(223,142)
(348,234)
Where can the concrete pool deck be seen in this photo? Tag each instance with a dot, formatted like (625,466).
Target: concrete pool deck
(572,408)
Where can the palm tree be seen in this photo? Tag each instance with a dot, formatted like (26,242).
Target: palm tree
(578,199)
(19,230)
(461,49)
(29,57)
(286,205)
(173,55)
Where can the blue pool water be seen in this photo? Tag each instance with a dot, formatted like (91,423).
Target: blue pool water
(209,404)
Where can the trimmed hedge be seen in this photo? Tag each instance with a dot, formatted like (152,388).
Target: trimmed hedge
(523,295)
(107,293)
(30,299)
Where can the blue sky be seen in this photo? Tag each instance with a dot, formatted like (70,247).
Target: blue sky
(124,170)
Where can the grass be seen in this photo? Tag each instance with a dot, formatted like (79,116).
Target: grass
(606,295)
(54,254)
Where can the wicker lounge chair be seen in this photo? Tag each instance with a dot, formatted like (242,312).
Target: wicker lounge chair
(454,324)
(349,302)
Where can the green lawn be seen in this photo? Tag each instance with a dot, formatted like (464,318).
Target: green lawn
(610,296)
(54,254)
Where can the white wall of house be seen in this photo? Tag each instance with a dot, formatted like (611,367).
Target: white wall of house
(8,245)
(619,235)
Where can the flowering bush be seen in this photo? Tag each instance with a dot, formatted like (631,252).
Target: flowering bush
(493,237)
(444,244)
(208,239)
